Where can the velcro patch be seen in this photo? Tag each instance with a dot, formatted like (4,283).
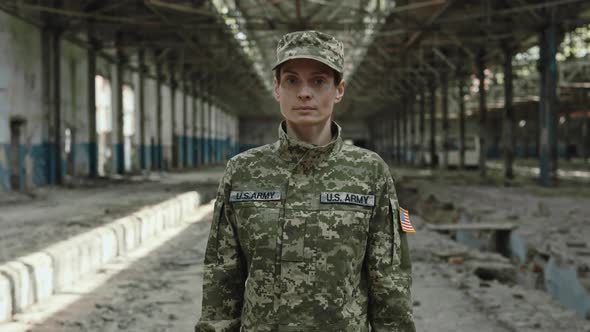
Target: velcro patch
(347,198)
(246,196)
(404,220)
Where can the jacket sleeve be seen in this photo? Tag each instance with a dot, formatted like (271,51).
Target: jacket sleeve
(388,264)
(224,272)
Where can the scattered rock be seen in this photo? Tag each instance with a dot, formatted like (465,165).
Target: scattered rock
(456,260)
(563,230)
(518,296)
(504,273)
(450,253)
(576,244)
(448,206)
(416,303)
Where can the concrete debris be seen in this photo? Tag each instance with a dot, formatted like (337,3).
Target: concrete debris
(502,272)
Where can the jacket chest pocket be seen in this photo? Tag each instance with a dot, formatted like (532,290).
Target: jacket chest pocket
(342,237)
(257,229)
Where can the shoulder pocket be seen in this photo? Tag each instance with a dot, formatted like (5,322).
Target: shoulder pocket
(400,249)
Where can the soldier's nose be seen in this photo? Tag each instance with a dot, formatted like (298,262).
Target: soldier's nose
(304,94)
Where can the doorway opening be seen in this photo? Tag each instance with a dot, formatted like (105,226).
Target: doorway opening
(16,129)
(69,144)
(128,126)
(104,124)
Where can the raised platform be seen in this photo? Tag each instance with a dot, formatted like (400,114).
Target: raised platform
(30,279)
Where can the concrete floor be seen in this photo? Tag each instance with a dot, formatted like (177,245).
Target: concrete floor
(32,222)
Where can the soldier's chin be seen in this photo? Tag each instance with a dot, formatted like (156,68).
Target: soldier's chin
(305,120)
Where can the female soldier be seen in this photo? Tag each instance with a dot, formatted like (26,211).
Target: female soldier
(306,234)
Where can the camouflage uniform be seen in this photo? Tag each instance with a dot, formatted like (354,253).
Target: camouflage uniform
(307,238)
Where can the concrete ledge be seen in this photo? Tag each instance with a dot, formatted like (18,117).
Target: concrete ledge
(32,278)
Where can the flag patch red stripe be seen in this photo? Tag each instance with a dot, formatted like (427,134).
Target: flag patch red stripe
(405,221)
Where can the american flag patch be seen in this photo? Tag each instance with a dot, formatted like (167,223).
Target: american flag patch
(404,218)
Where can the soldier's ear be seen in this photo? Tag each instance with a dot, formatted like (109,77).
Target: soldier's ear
(276,92)
(340,91)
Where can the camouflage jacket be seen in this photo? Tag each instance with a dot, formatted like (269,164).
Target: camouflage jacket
(306,238)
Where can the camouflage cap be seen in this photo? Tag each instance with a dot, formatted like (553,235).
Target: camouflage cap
(313,45)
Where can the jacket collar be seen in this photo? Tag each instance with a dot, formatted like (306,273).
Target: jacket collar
(291,149)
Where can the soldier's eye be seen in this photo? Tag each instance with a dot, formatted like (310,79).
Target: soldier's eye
(319,81)
(291,80)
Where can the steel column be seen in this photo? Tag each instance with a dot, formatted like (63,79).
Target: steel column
(404,119)
(422,126)
(185,152)
(433,156)
(157,152)
(142,118)
(482,113)
(195,148)
(461,122)
(412,142)
(92,135)
(120,139)
(56,104)
(445,120)
(508,114)
(548,106)
(173,133)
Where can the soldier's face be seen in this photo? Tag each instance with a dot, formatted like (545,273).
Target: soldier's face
(306,92)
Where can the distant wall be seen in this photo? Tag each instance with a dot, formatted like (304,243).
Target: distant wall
(29,158)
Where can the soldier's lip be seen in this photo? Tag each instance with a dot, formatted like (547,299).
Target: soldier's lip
(306,108)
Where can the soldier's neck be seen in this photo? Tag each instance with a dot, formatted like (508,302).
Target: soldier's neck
(319,134)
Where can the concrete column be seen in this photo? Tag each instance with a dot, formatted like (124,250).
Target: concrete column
(433,156)
(157,149)
(211,126)
(445,120)
(223,136)
(212,132)
(398,134)
(390,152)
(219,134)
(92,136)
(201,123)
(422,126)
(185,124)
(586,136)
(202,139)
(141,106)
(174,136)
(46,79)
(194,131)
(207,127)
(412,114)
(566,135)
(119,140)
(56,104)
(548,105)
(461,121)
(508,114)
(404,123)
(481,66)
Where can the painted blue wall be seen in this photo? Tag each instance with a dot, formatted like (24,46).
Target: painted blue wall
(562,282)
(5,169)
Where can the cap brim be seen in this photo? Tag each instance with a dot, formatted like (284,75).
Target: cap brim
(311,57)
